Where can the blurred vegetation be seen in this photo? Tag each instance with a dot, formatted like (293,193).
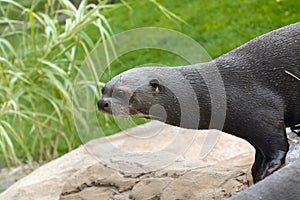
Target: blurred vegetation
(43,43)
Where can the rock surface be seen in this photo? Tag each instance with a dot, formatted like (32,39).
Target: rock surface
(283,184)
(9,176)
(151,161)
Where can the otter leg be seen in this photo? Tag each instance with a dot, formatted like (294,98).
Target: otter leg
(273,162)
(265,166)
(270,157)
(258,162)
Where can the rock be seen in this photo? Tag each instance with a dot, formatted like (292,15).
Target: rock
(151,161)
(9,176)
(283,184)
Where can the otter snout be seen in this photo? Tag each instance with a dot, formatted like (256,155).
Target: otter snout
(104,105)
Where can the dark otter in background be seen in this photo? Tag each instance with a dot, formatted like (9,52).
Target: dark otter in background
(261,98)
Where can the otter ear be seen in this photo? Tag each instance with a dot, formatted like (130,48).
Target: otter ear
(154,83)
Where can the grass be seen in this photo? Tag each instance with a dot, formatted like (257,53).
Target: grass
(44,42)
(219,26)
(40,54)
(292,75)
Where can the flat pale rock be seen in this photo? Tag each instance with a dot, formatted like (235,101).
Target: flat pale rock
(151,161)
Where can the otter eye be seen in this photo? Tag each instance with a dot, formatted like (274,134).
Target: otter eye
(119,94)
(103,90)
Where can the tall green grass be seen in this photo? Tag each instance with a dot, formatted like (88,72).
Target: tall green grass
(40,52)
(42,45)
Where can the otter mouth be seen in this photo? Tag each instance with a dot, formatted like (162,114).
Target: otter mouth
(117,109)
(128,115)
(148,116)
(117,112)
(136,114)
(141,115)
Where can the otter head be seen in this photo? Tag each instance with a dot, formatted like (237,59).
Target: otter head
(141,92)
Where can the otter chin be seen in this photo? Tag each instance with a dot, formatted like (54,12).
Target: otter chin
(260,98)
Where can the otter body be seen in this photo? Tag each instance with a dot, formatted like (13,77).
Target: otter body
(261,95)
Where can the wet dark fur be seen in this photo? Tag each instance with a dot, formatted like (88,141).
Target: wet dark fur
(262,98)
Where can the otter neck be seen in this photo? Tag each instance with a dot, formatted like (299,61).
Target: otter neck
(195,113)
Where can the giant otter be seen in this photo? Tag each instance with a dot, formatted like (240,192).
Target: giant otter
(261,89)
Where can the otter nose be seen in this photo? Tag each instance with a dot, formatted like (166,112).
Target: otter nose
(104,104)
